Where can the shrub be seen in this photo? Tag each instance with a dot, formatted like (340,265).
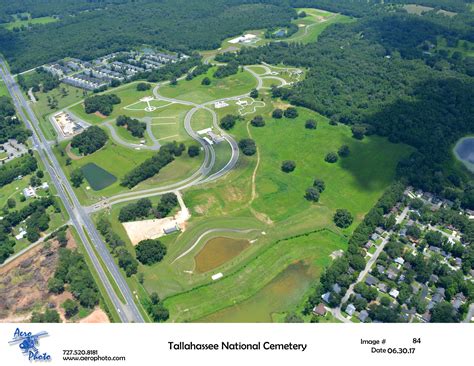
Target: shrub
(312,194)
(277,113)
(343,218)
(288,166)
(193,151)
(343,151)
(257,121)
(319,185)
(311,124)
(331,157)
(291,112)
(143,86)
(248,146)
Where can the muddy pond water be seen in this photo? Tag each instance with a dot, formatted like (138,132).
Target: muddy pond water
(279,295)
(218,251)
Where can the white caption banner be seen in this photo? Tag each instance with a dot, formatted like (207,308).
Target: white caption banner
(235,344)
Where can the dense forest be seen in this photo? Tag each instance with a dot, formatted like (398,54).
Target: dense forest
(384,74)
(178,25)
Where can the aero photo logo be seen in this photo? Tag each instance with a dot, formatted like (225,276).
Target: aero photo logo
(29,343)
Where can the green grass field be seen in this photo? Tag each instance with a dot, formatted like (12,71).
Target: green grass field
(24,23)
(269,205)
(310,27)
(130,98)
(3,89)
(251,278)
(167,124)
(114,158)
(278,212)
(192,90)
(466,48)
(118,161)
(314,24)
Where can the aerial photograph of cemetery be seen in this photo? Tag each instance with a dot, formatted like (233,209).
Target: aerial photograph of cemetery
(301,161)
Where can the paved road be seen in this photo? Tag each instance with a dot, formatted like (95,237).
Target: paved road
(128,312)
(118,139)
(337,312)
(201,175)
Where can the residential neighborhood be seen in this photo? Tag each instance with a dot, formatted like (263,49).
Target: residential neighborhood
(101,72)
(418,267)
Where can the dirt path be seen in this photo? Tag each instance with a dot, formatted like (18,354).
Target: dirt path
(254,174)
(71,154)
(258,215)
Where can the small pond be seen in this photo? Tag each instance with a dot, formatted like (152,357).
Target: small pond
(97,177)
(218,251)
(464,151)
(281,294)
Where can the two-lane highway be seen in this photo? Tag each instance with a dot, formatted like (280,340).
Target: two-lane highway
(128,312)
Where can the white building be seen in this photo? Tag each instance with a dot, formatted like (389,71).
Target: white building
(246,38)
(220,104)
(21,235)
(29,192)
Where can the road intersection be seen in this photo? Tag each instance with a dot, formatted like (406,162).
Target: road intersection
(80,216)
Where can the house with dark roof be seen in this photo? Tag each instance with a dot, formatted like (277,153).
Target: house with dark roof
(363,315)
(371,280)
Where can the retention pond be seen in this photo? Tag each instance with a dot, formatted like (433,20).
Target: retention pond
(464,151)
(281,294)
(218,251)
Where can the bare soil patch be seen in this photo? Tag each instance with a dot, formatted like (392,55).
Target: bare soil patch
(100,115)
(71,154)
(97,316)
(24,283)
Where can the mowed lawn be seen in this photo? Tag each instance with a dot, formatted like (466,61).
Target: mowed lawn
(233,85)
(314,24)
(167,124)
(118,161)
(114,158)
(129,96)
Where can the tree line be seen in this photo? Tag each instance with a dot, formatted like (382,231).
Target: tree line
(134,126)
(153,165)
(117,247)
